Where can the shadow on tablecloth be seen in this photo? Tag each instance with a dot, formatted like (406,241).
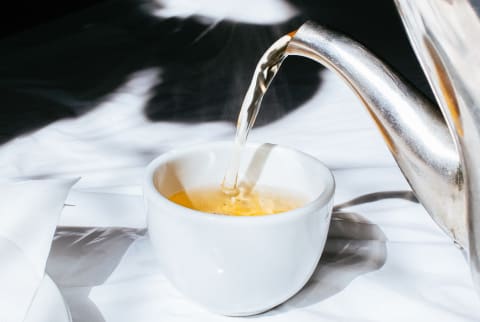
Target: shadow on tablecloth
(84,257)
(355,246)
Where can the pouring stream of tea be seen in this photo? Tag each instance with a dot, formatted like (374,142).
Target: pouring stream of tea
(265,71)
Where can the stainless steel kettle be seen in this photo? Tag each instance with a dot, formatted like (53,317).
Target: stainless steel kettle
(438,150)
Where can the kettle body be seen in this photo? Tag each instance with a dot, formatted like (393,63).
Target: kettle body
(436,148)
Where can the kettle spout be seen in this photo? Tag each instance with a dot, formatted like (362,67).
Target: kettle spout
(413,129)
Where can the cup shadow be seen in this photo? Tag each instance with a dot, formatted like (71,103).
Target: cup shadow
(354,247)
(84,257)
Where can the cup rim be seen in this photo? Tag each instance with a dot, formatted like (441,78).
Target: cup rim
(153,195)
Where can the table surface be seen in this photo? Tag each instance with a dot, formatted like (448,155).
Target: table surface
(385,259)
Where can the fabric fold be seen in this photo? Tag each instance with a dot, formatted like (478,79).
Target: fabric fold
(29,213)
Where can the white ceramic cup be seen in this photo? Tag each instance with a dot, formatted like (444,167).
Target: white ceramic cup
(236,265)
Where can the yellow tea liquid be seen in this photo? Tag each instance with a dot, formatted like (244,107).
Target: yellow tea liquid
(261,201)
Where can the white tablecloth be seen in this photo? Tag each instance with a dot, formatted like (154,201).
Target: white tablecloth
(384,261)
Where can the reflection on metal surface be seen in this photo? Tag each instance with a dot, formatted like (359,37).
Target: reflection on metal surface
(413,129)
(445,86)
(444,35)
(438,155)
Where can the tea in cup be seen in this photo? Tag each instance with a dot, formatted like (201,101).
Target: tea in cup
(245,202)
(255,257)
